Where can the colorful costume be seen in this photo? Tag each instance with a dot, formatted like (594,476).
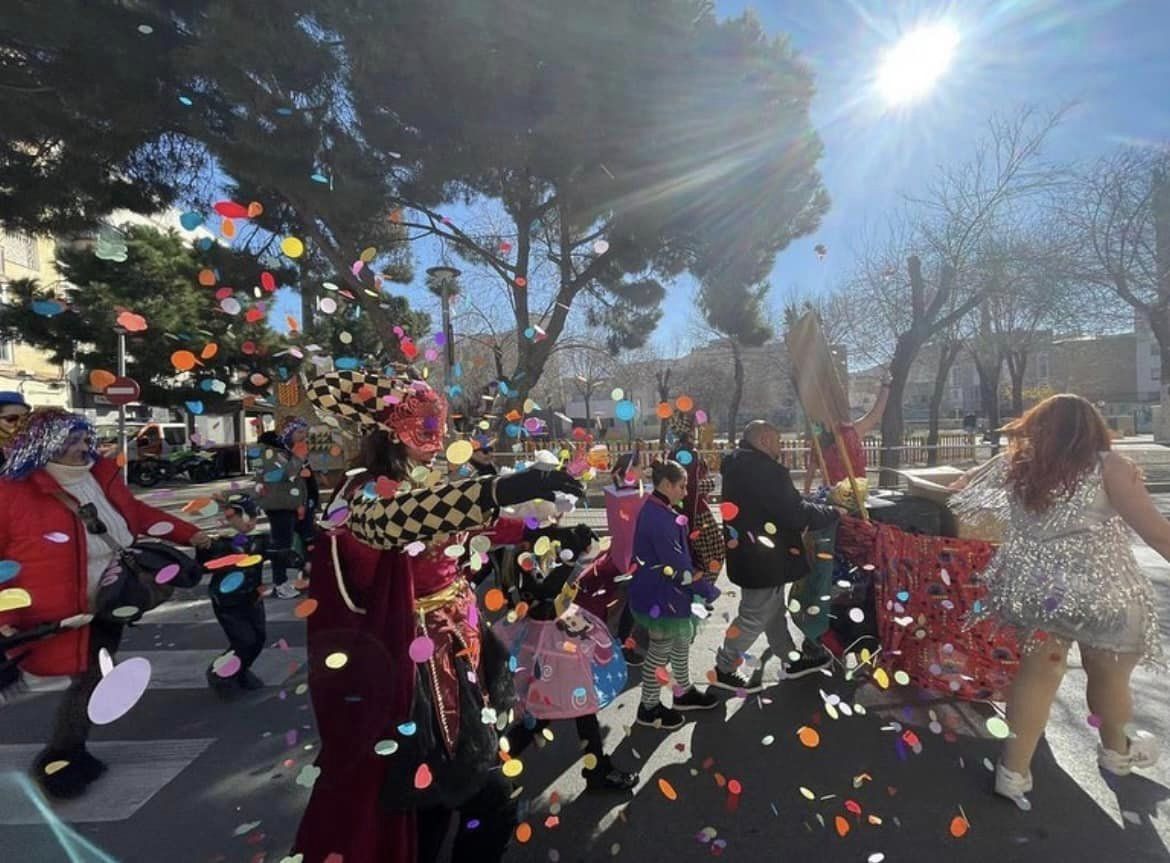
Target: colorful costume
(1068,571)
(706,537)
(409,690)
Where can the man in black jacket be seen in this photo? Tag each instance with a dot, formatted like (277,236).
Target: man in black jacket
(765,553)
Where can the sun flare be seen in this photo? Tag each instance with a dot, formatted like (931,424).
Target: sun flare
(915,64)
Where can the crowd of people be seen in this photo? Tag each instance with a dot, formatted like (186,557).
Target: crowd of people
(456,686)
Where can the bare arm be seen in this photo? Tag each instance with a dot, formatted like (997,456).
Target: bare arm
(1127,493)
(870,421)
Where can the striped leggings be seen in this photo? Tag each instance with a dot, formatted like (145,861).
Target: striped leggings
(663,649)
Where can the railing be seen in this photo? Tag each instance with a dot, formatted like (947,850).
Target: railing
(953,448)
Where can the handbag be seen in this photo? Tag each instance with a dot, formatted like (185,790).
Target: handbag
(129,587)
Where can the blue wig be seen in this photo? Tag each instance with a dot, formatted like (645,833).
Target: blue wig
(40,438)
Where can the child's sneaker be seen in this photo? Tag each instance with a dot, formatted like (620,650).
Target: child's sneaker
(692,699)
(659,716)
(733,682)
(286,591)
(1143,752)
(1013,786)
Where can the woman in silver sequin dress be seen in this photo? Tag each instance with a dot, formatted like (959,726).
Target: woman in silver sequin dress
(1065,573)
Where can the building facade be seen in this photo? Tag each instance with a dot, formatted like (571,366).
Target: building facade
(22,367)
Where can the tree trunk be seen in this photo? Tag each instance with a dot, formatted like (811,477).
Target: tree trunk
(947,355)
(662,377)
(736,393)
(893,423)
(1017,363)
(990,369)
(588,407)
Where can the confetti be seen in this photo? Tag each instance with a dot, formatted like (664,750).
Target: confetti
(293,248)
(14,598)
(513,767)
(119,690)
(386,747)
(493,600)
(808,736)
(423,777)
(959,826)
(667,790)
(997,728)
(305,608)
(336,661)
(523,832)
(421,649)
(9,569)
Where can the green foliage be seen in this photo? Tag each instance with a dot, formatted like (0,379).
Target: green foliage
(159,281)
(623,143)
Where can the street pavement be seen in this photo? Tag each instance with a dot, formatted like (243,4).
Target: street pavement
(194,778)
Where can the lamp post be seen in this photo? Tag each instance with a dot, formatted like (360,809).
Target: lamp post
(443,283)
(121,332)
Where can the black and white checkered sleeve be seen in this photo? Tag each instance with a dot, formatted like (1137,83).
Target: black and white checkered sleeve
(420,514)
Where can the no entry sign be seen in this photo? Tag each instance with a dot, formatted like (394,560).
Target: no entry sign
(122,391)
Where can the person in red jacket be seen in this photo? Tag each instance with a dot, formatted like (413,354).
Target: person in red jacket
(52,456)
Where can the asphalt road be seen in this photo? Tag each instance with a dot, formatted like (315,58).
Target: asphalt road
(194,778)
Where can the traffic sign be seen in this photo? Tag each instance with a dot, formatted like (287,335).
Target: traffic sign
(122,391)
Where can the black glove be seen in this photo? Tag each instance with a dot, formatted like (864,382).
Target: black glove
(535,483)
(576,539)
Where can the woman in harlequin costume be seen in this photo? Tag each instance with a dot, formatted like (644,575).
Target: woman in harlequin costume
(408,690)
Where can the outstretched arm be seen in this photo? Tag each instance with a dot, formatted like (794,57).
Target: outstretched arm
(872,420)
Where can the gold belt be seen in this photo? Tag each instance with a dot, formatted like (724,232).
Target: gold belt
(434,601)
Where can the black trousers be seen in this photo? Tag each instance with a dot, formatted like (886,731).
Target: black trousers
(244,624)
(588,730)
(485,825)
(283,524)
(71,726)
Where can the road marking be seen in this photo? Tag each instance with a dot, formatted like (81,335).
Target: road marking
(139,769)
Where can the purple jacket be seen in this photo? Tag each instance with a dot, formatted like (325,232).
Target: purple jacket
(660,541)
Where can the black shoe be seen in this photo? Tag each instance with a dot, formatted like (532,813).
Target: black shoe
(606,777)
(67,783)
(632,657)
(692,699)
(248,680)
(809,663)
(91,767)
(731,681)
(660,716)
(224,687)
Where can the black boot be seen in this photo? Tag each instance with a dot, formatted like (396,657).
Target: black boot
(248,680)
(65,783)
(91,766)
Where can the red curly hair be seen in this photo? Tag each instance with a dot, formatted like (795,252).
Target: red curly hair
(1052,447)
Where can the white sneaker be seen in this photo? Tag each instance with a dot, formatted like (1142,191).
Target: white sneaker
(287,591)
(1143,752)
(1013,786)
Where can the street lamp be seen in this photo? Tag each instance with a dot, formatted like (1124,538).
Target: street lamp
(443,278)
(121,333)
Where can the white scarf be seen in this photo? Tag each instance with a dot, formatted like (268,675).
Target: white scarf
(79,482)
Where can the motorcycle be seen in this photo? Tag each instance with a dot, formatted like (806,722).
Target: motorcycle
(199,466)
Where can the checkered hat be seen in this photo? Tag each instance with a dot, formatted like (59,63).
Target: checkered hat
(410,410)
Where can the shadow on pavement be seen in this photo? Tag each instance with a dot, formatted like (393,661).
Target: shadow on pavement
(874,795)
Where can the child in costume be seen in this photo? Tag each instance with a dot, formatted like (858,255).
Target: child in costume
(235,592)
(665,585)
(566,663)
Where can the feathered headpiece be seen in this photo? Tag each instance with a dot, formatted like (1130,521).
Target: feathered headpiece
(410,411)
(40,437)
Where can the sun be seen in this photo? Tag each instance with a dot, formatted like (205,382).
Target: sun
(915,64)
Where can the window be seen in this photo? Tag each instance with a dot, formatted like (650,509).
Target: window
(1042,366)
(1155,374)
(21,249)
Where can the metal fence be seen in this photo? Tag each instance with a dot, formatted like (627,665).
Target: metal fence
(953,448)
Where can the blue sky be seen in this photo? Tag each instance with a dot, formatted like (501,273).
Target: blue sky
(1109,56)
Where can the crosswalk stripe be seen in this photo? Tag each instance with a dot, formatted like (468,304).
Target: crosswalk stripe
(143,768)
(199,611)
